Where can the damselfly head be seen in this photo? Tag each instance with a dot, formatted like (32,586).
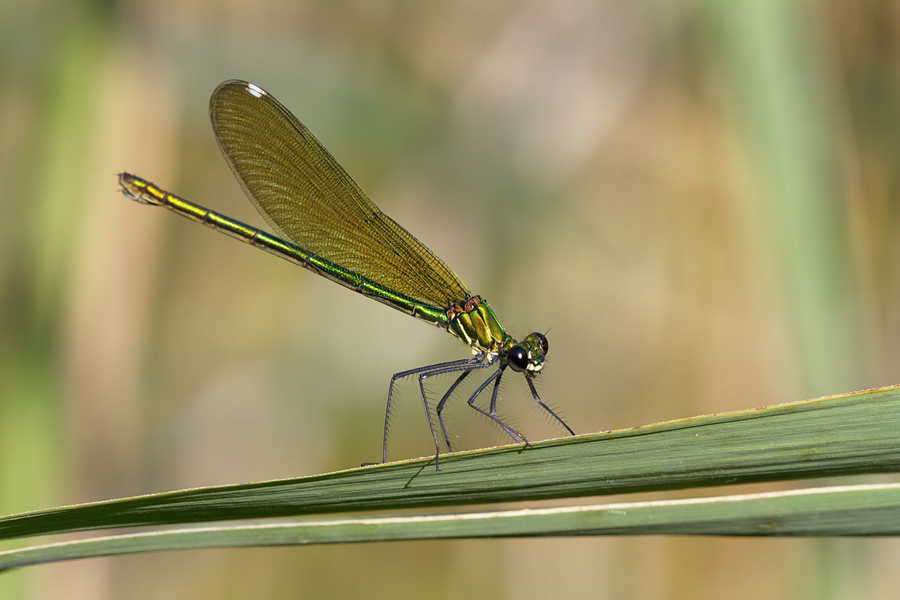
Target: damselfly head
(528,356)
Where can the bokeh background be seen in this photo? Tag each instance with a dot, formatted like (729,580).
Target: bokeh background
(698,201)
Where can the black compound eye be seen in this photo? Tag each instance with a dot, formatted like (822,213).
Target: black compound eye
(517,358)
(545,345)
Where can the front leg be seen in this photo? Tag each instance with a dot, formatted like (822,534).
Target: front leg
(492,415)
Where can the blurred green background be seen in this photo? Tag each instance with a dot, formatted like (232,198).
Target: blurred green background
(698,200)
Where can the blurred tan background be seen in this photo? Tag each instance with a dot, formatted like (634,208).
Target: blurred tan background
(697,200)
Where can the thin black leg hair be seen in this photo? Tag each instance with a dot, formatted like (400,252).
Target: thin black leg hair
(492,415)
(437,445)
(545,407)
(467,367)
(454,365)
(464,367)
(440,405)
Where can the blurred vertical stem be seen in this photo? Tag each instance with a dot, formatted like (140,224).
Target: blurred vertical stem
(769,57)
(32,397)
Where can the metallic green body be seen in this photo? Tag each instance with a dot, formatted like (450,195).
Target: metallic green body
(147,193)
(478,327)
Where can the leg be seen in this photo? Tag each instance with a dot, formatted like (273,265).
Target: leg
(440,405)
(545,407)
(467,367)
(511,431)
(454,365)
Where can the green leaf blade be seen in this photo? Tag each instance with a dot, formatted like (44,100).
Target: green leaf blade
(863,510)
(841,435)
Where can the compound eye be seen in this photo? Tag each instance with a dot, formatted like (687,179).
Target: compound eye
(517,358)
(545,346)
